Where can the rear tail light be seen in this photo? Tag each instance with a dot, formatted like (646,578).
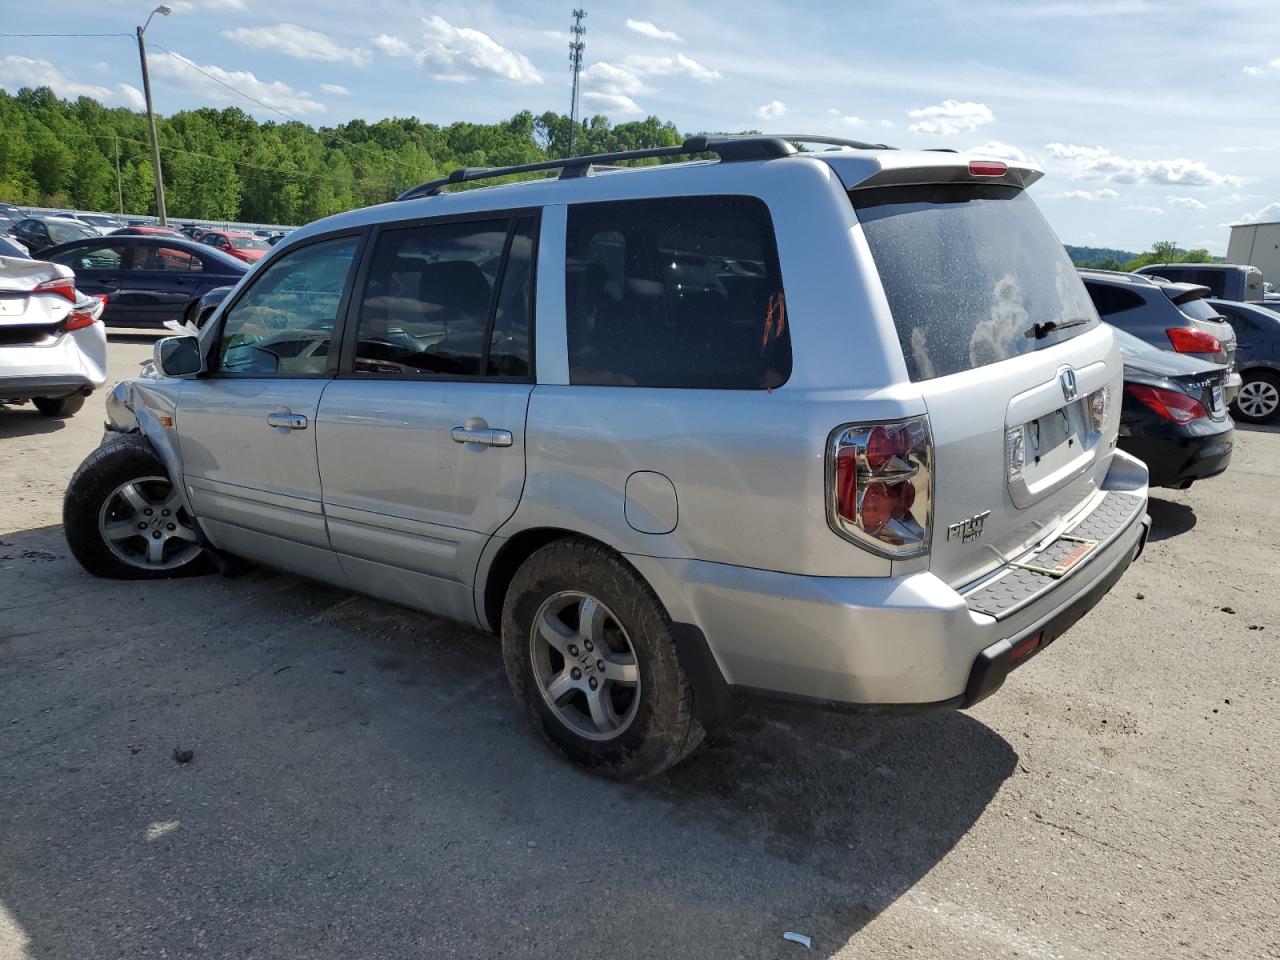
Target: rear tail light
(879,479)
(64,287)
(1169,404)
(86,314)
(1096,408)
(1193,341)
(987,168)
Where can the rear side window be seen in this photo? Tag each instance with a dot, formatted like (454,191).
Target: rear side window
(448,299)
(972,273)
(1110,300)
(676,292)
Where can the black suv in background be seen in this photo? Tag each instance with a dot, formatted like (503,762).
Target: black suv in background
(1169,316)
(1227,281)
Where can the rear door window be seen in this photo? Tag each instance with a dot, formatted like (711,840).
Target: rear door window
(972,273)
(675,292)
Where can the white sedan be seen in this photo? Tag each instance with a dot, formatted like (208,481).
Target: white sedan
(53,346)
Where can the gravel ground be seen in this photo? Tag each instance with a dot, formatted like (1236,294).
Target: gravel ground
(362,787)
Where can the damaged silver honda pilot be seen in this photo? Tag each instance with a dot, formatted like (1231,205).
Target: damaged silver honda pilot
(834,426)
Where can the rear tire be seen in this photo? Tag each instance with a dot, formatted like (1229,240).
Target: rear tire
(122,520)
(610,694)
(61,407)
(1259,397)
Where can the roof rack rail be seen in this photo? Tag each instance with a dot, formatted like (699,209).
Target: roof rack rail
(729,148)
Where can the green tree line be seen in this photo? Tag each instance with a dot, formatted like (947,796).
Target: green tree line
(1162,251)
(225,165)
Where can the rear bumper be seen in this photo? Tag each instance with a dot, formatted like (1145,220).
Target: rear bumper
(1175,459)
(892,643)
(75,361)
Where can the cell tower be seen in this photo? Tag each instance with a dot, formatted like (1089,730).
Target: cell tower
(576,45)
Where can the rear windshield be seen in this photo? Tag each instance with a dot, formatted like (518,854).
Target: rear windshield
(248,243)
(62,232)
(973,274)
(1201,310)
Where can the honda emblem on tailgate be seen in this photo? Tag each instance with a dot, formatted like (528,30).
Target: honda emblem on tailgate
(1067,377)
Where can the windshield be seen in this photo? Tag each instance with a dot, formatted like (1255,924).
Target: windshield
(248,243)
(98,219)
(973,274)
(62,232)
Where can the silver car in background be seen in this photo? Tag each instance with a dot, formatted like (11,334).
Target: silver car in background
(836,427)
(53,347)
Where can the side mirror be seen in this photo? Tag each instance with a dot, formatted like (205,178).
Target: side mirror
(178,356)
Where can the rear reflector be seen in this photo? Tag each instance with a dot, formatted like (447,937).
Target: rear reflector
(1168,404)
(1193,341)
(64,287)
(1025,647)
(987,168)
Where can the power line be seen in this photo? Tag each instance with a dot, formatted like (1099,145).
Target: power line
(128,35)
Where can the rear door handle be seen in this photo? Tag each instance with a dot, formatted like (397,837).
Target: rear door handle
(290,421)
(482,435)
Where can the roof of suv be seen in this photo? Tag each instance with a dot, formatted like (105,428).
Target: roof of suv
(1156,267)
(597,177)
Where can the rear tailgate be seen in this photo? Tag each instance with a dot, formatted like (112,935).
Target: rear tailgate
(1004,344)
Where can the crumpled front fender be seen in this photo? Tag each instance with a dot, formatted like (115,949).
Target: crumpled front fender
(148,405)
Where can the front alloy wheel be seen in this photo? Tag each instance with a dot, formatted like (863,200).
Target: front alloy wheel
(144,525)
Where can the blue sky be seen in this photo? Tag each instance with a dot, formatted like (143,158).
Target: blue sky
(1154,119)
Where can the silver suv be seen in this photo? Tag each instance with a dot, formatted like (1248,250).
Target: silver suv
(833,426)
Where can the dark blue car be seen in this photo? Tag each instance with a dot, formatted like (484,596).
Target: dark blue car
(1257,360)
(147,279)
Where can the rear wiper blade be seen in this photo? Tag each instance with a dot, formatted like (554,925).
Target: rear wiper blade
(1039,331)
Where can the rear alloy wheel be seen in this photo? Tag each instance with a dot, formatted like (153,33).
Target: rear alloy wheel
(60,407)
(124,519)
(592,659)
(1259,397)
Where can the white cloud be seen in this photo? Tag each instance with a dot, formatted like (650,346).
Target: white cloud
(1269,67)
(131,96)
(336,89)
(1190,203)
(1090,195)
(392,46)
(463,53)
(1003,151)
(850,121)
(1138,208)
(607,78)
(950,117)
(1099,163)
(679,65)
(17,72)
(771,110)
(457,48)
(102,66)
(887,123)
(1268,213)
(611,102)
(647,29)
(298,42)
(274,93)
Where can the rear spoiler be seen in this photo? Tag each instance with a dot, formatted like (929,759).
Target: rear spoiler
(1185,292)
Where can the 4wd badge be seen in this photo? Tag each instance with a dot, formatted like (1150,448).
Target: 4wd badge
(969,530)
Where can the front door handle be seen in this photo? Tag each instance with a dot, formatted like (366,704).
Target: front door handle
(290,421)
(483,436)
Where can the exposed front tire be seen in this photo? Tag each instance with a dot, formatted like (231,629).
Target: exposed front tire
(1259,397)
(590,656)
(122,518)
(61,407)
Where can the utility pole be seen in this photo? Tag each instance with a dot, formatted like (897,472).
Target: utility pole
(164,11)
(119,187)
(576,45)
